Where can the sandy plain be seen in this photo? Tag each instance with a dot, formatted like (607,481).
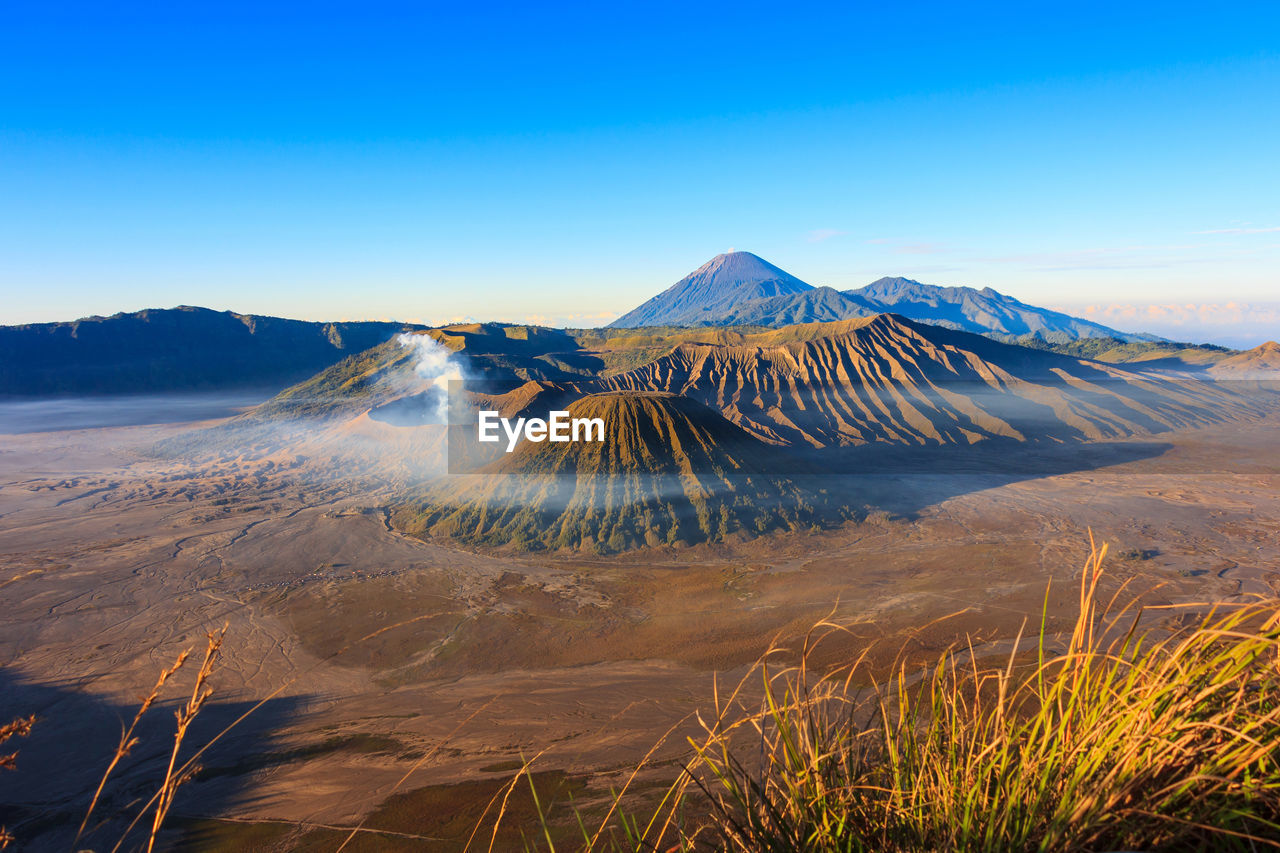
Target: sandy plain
(400,681)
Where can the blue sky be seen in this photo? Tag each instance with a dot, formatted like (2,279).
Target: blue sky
(563,163)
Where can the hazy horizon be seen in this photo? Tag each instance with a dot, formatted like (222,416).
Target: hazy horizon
(1229,323)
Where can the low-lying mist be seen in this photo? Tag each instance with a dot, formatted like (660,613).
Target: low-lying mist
(20,416)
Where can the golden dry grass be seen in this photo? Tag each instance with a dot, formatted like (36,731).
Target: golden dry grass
(1122,739)
(21,727)
(176,774)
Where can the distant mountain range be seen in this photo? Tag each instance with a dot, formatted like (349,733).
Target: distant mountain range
(880,379)
(197,349)
(176,349)
(740,288)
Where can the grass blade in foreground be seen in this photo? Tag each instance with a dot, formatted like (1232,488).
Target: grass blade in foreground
(1122,740)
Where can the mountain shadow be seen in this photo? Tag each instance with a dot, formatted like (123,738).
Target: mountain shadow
(44,799)
(174,349)
(906,480)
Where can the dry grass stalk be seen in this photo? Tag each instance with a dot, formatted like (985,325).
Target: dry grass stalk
(1132,742)
(174,776)
(20,727)
(179,774)
(1122,740)
(127,738)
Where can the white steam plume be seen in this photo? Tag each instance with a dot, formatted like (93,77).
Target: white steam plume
(435,365)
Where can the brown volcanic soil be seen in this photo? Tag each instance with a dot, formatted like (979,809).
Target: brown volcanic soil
(111,561)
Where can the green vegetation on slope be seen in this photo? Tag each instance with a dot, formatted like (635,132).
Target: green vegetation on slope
(622,349)
(347,387)
(1167,354)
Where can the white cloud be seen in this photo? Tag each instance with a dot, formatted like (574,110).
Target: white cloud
(1103,257)
(920,249)
(1231,322)
(900,246)
(1185,313)
(1269,230)
(576,320)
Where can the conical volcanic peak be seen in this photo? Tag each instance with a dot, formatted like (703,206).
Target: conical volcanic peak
(714,289)
(651,432)
(669,471)
(738,268)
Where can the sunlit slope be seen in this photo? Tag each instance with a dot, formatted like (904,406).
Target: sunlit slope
(889,379)
(349,387)
(383,379)
(1261,362)
(505,351)
(372,408)
(670,471)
